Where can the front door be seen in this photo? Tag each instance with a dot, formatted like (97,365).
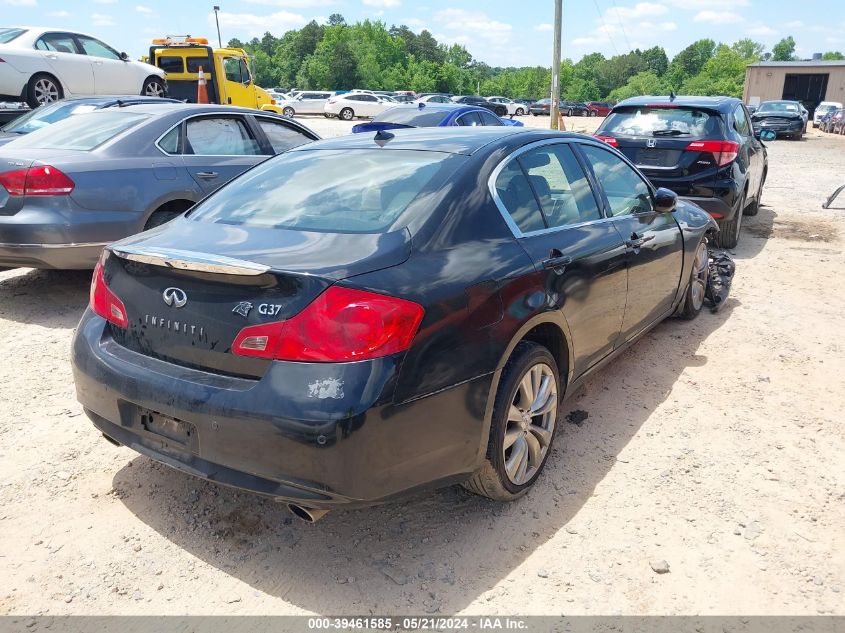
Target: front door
(653,241)
(555,215)
(238,88)
(111,74)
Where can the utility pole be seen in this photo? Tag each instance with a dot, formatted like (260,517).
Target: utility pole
(219,40)
(555,109)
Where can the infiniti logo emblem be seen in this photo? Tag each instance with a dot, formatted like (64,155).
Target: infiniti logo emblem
(175,297)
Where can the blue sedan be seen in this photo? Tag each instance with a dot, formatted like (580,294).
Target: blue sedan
(432,115)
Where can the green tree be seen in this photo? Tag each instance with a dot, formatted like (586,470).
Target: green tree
(784,51)
(722,74)
(833,55)
(336,19)
(644,83)
(655,60)
(748,49)
(690,61)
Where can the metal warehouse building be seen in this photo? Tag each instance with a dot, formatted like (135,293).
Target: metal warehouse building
(808,82)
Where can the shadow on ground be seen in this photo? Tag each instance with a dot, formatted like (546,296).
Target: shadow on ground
(50,298)
(437,552)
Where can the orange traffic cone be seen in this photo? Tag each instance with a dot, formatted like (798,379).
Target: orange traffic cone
(202,90)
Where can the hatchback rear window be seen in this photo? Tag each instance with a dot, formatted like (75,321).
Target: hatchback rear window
(84,132)
(7,35)
(669,121)
(414,116)
(352,191)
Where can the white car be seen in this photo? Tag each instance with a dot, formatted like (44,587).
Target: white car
(434,99)
(356,104)
(306,102)
(514,107)
(823,108)
(43,65)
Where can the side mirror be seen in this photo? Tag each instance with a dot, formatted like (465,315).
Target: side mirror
(124,57)
(665,200)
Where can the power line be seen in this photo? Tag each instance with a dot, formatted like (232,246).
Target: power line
(604,25)
(619,19)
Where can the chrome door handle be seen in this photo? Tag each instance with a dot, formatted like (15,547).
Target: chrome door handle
(637,241)
(98,63)
(51,56)
(207,174)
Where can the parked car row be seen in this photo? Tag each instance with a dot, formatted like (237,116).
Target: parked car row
(337,293)
(571,108)
(832,119)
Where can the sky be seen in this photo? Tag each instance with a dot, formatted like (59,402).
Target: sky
(498,32)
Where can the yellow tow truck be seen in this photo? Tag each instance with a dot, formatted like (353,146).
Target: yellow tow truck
(227,72)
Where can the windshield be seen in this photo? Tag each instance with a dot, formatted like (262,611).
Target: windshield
(46,115)
(84,133)
(7,35)
(779,106)
(659,121)
(316,190)
(413,116)
(825,108)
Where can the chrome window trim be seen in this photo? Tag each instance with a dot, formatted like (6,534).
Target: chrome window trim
(503,210)
(205,114)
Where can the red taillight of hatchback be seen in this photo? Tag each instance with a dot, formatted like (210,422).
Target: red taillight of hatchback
(40,180)
(104,302)
(608,139)
(724,152)
(340,325)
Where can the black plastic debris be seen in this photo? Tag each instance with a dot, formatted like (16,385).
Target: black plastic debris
(577,417)
(722,269)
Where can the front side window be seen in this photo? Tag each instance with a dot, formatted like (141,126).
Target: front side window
(560,185)
(317,191)
(57,42)
(245,76)
(281,137)
(516,195)
(626,192)
(220,136)
(95,48)
(232,69)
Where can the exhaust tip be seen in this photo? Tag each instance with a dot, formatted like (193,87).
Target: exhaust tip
(308,515)
(111,440)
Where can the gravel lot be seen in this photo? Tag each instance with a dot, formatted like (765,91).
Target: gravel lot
(716,446)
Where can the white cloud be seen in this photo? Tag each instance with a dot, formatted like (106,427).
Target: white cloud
(293,4)
(145,10)
(544,27)
(105,1)
(709,4)
(662,27)
(795,24)
(59,14)
(474,22)
(22,3)
(101,19)
(415,24)
(639,10)
(251,25)
(382,3)
(761,30)
(718,17)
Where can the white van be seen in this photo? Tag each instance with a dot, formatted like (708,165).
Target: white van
(823,108)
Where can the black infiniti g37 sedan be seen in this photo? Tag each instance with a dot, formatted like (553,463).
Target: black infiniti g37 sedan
(374,314)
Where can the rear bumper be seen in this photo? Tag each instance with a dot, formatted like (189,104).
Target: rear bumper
(58,256)
(316,434)
(716,207)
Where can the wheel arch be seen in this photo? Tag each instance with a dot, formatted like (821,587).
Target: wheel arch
(175,205)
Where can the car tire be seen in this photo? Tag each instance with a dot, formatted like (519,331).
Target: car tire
(728,235)
(164,215)
(153,87)
(697,286)
(347,114)
(43,88)
(593,113)
(569,112)
(327,115)
(533,114)
(754,207)
(509,471)
(288,111)
(519,112)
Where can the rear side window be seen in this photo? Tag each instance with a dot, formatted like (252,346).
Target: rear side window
(7,35)
(560,185)
(281,137)
(670,121)
(741,121)
(516,194)
(469,119)
(626,192)
(84,132)
(171,64)
(170,142)
(57,42)
(487,118)
(220,136)
(317,190)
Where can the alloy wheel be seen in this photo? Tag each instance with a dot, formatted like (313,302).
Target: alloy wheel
(154,89)
(530,423)
(46,91)
(700,273)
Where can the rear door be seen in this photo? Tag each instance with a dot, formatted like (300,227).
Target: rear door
(216,148)
(111,74)
(547,200)
(66,60)
(653,241)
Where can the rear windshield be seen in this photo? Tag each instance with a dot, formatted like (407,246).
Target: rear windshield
(7,35)
(352,191)
(778,106)
(83,133)
(417,117)
(674,121)
(47,115)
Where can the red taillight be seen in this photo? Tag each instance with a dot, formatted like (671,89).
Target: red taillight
(723,151)
(608,139)
(104,302)
(41,180)
(340,325)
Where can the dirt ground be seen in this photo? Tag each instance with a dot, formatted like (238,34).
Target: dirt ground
(715,445)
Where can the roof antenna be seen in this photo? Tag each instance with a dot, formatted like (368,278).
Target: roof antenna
(382,137)
(672,95)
